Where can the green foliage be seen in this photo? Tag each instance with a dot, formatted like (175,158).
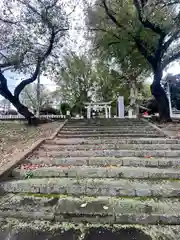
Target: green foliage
(64,108)
(136,34)
(75,79)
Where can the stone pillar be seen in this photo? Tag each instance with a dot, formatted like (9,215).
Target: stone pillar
(89,112)
(120,104)
(106,111)
(109,111)
(169,99)
(130,113)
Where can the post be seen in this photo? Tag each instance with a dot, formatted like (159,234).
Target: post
(109,111)
(169,98)
(120,103)
(89,112)
(38,96)
(106,111)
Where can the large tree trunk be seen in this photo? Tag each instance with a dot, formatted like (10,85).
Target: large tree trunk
(23,110)
(161,98)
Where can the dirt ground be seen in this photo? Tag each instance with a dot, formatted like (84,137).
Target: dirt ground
(15,136)
(172,129)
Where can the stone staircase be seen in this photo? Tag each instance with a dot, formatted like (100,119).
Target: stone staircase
(98,179)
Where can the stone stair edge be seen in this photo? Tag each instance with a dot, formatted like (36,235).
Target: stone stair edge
(95,187)
(109,153)
(109,146)
(124,211)
(121,172)
(109,161)
(112,141)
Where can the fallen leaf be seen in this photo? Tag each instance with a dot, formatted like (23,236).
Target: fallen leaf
(105,207)
(83,205)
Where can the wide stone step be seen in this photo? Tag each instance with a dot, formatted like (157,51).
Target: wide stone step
(106,126)
(75,141)
(109,153)
(111,146)
(94,187)
(106,162)
(96,210)
(96,135)
(104,129)
(98,172)
(117,131)
(101,128)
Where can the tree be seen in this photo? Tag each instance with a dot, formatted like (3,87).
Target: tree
(30,99)
(75,80)
(30,33)
(148,28)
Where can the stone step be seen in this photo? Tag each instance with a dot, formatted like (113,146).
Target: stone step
(107,162)
(96,135)
(98,172)
(16,229)
(110,123)
(109,153)
(96,210)
(117,131)
(75,141)
(110,147)
(105,125)
(113,128)
(94,187)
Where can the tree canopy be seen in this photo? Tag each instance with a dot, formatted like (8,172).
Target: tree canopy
(30,34)
(146,33)
(75,79)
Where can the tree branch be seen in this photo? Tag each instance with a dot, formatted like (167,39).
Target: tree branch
(106,31)
(22,85)
(159,50)
(7,21)
(4,91)
(3,80)
(144,51)
(146,23)
(110,15)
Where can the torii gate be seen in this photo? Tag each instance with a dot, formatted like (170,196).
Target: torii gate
(99,105)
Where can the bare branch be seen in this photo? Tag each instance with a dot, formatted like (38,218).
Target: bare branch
(34,10)
(7,21)
(22,85)
(51,43)
(146,23)
(110,15)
